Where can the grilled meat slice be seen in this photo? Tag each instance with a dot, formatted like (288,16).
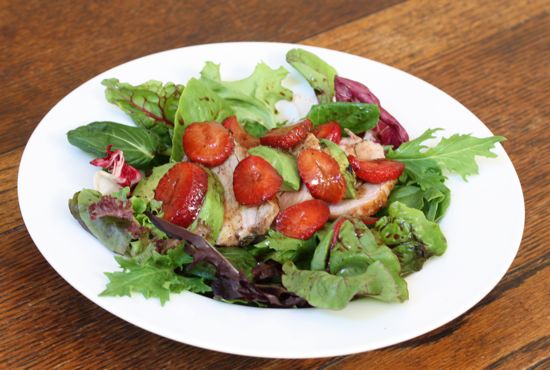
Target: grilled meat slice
(241,223)
(370,198)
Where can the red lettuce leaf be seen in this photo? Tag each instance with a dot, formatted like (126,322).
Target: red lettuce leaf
(388,131)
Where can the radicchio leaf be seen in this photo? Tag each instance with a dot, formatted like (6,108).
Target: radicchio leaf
(230,283)
(388,131)
(115,164)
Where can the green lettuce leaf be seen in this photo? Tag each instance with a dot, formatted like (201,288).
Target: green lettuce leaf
(154,278)
(357,117)
(325,290)
(319,74)
(253,98)
(284,163)
(198,103)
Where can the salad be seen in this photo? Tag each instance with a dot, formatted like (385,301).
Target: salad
(211,193)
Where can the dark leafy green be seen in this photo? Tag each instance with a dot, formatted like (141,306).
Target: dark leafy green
(357,117)
(319,74)
(141,147)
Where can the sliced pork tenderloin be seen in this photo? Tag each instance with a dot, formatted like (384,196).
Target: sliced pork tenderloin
(241,223)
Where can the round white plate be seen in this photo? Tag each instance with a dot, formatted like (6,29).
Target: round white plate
(483,226)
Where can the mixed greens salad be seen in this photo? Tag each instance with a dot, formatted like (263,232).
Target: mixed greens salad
(210,193)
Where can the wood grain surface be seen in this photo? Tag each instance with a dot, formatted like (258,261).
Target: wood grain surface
(493,56)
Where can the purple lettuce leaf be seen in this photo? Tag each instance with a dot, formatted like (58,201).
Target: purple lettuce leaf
(230,283)
(388,131)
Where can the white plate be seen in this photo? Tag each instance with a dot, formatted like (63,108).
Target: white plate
(483,226)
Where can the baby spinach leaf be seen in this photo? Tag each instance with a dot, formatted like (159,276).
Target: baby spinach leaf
(319,74)
(139,145)
(357,117)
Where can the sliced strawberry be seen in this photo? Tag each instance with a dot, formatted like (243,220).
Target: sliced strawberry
(255,181)
(330,131)
(302,220)
(208,143)
(376,171)
(321,174)
(287,137)
(182,190)
(243,138)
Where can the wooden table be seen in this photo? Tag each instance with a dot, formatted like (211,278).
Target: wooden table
(493,56)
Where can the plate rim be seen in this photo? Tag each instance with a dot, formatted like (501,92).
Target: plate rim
(255,353)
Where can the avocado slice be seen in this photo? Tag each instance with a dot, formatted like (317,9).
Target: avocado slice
(345,169)
(284,163)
